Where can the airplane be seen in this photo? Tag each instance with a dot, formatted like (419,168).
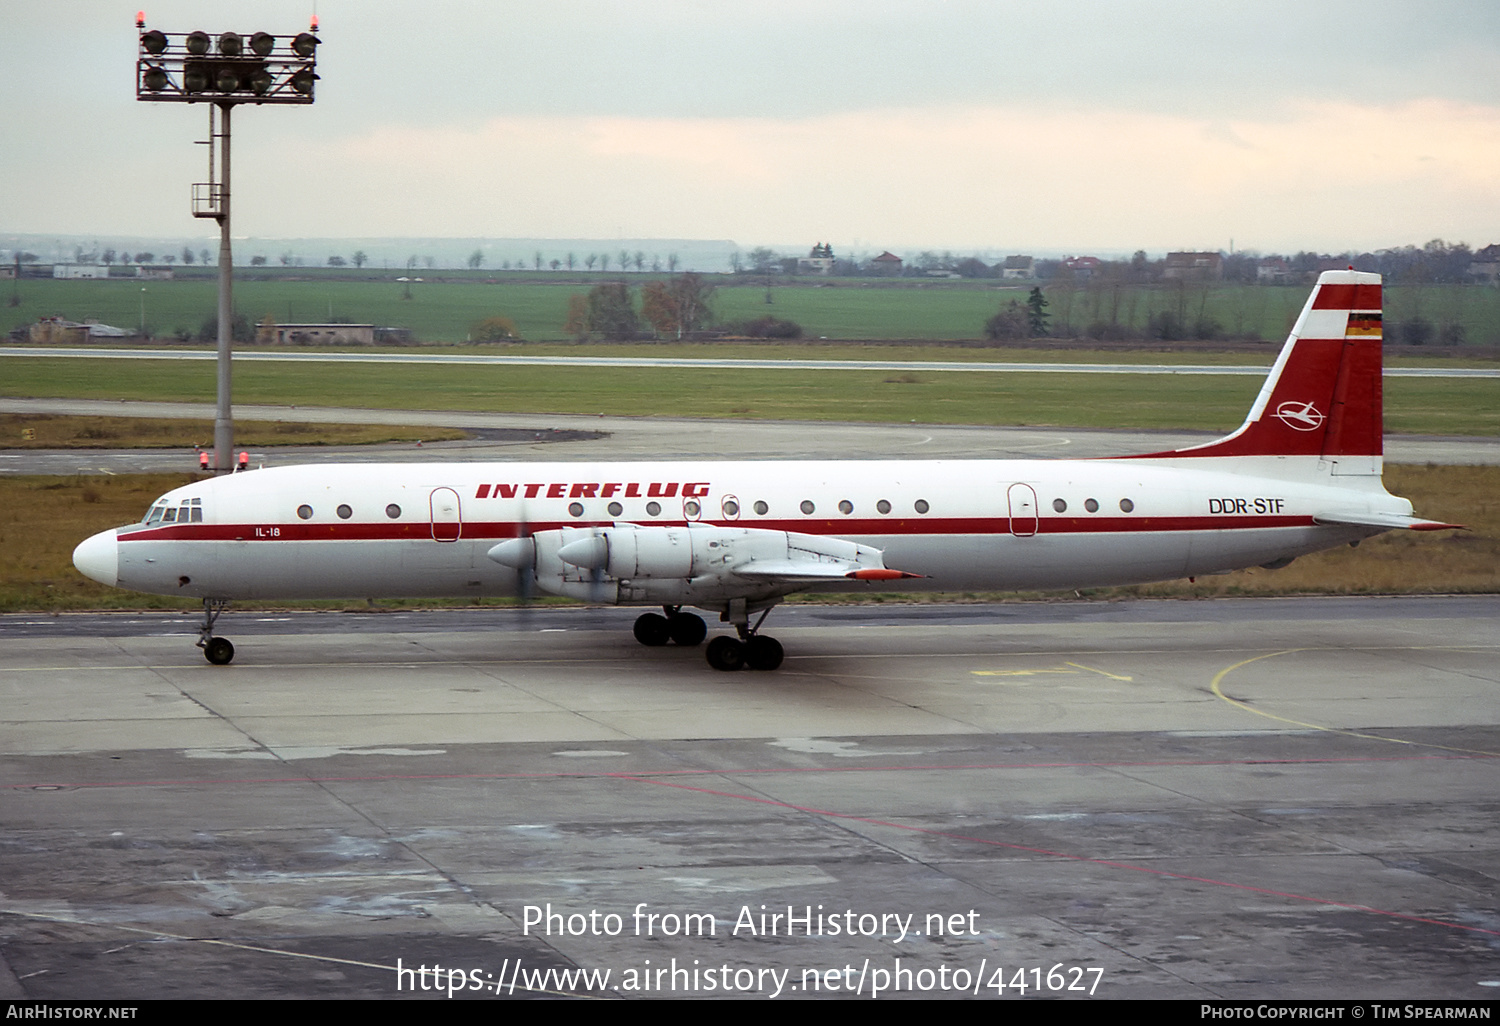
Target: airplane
(1302,473)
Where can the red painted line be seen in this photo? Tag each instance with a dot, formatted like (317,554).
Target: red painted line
(605,774)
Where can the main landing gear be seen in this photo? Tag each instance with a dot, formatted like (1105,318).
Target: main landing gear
(218,651)
(685,629)
(751,649)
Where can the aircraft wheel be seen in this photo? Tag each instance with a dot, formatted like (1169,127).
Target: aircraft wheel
(763,653)
(726,653)
(687,629)
(652,629)
(218,651)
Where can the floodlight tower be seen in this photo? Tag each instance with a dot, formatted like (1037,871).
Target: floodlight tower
(222,71)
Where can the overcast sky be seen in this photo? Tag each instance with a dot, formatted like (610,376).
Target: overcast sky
(987,125)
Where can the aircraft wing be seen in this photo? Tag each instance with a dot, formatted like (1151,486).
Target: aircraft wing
(809,572)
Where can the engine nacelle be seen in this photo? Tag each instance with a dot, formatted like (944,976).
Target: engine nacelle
(683,565)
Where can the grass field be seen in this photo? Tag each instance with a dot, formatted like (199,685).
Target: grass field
(833,308)
(43,518)
(1188,402)
(59,432)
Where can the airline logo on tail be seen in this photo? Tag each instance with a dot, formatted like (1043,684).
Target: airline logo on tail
(1299,416)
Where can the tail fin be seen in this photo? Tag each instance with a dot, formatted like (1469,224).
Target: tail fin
(1323,396)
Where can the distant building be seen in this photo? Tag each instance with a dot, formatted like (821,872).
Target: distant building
(315,334)
(819,261)
(1193,267)
(57,331)
(1273,271)
(79,271)
(886,264)
(1021,268)
(1084,267)
(1486,264)
(161,272)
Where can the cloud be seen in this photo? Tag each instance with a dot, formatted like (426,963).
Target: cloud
(1318,174)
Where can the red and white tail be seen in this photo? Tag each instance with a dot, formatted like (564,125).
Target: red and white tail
(1323,396)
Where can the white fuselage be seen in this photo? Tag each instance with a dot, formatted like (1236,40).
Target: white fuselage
(410,530)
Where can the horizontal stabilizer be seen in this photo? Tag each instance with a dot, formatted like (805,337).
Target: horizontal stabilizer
(1389,521)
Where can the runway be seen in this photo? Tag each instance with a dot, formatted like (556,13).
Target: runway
(1238,799)
(554,437)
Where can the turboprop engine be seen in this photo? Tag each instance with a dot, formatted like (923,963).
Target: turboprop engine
(704,566)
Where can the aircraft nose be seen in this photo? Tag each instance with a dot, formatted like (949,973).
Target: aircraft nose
(99,557)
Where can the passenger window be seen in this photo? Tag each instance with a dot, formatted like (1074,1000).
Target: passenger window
(1092,505)
(846,507)
(653,509)
(883,506)
(921,506)
(807,506)
(761,509)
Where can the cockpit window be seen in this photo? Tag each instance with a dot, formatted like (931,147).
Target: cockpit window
(165,512)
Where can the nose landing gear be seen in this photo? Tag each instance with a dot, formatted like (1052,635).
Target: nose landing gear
(218,651)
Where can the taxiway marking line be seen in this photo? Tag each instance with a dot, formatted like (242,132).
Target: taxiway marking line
(1216,687)
(53,785)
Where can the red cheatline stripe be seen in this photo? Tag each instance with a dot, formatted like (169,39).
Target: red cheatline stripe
(495,531)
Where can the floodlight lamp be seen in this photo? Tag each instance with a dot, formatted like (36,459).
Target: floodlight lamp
(262,43)
(230,44)
(261,82)
(154,41)
(194,79)
(155,79)
(305,45)
(303,81)
(197,43)
(226,81)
